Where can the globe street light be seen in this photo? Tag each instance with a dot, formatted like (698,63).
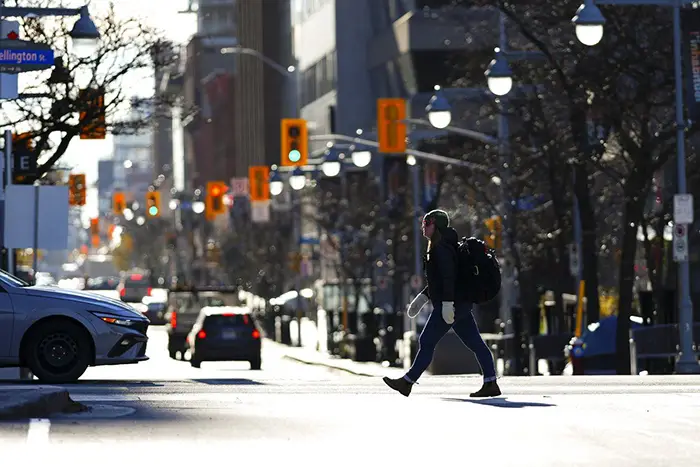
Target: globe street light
(198,207)
(298,179)
(276,183)
(361,158)
(331,163)
(498,75)
(84,35)
(439,110)
(589,23)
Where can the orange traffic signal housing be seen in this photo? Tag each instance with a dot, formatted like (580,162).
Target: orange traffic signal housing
(391,129)
(118,203)
(77,190)
(259,183)
(295,146)
(93,119)
(214,200)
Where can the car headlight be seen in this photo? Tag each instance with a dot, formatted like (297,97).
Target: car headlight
(116,320)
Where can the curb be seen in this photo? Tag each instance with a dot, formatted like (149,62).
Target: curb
(329,365)
(42,406)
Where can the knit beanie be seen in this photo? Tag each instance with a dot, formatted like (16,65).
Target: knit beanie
(437,217)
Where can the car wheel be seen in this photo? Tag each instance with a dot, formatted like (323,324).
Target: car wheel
(255,364)
(58,352)
(196,364)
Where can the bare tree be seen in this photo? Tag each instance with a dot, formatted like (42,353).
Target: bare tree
(128,50)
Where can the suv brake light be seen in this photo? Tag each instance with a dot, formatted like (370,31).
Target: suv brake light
(122,292)
(148,292)
(256,334)
(173,319)
(201,335)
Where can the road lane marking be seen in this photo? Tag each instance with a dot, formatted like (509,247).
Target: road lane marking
(39,431)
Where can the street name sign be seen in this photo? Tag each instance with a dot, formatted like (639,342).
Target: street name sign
(18,56)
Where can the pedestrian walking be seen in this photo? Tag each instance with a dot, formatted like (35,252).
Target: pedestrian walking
(452,308)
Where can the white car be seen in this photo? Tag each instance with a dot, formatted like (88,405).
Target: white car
(57,333)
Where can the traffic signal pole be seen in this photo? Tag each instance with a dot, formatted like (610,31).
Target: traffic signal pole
(8,182)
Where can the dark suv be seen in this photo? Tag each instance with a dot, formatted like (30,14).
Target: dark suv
(225,334)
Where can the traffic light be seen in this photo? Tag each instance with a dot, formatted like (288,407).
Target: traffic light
(295,139)
(494,228)
(153,204)
(76,190)
(92,117)
(94,226)
(391,128)
(118,203)
(214,202)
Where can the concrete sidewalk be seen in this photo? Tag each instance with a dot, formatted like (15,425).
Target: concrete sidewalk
(312,357)
(21,401)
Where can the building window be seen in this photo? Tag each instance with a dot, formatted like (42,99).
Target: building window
(319,79)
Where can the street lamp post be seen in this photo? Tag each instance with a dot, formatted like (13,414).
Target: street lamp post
(589,22)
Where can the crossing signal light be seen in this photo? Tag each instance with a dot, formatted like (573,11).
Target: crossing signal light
(294,145)
(76,190)
(214,203)
(494,232)
(391,128)
(153,204)
(118,203)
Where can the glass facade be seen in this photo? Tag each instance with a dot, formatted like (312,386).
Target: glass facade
(320,78)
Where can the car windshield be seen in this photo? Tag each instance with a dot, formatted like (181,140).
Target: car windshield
(15,281)
(209,301)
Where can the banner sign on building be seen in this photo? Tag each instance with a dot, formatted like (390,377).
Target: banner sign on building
(691,48)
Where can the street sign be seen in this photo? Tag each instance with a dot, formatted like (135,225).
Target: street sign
(680,243)
(574,259)
(259,179)
(9,85)
(50,219)
(683,209)
(18,56)
(416,282)
(260,211)
(239,187)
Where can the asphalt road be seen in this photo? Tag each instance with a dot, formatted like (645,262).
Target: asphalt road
(164,410)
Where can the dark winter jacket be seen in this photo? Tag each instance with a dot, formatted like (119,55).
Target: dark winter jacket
(440,265)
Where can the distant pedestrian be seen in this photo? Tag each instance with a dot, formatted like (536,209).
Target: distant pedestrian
(449,309)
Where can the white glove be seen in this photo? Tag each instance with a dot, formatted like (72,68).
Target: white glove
(417,305)
(448,312)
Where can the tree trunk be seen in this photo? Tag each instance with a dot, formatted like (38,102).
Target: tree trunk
(654,262)
(589,244)
(634,210)
(560,209)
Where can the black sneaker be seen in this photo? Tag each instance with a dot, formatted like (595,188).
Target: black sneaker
(399,384)
(489,389)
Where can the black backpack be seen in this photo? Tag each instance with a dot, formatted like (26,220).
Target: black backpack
(478,271)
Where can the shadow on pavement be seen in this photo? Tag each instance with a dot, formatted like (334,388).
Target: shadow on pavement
(81,382)
(230,381)
(501,402)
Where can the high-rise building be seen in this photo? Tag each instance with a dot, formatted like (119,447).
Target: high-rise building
(262,94)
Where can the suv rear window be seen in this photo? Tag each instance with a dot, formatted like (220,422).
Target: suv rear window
(222,321)
(141,283)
